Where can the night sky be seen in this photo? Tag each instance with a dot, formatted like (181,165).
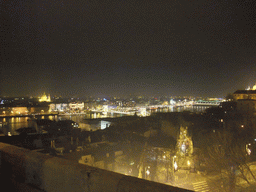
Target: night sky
(117,48)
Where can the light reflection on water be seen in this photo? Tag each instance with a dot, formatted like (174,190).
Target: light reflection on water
(15,123)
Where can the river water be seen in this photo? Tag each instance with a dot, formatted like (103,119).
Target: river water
(14,123)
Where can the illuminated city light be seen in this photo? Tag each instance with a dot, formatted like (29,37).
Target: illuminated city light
(175,166)
(248,150)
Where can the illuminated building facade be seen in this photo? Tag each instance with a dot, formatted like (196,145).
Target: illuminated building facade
(244,94)
(45,98)
(246,99)
(14,111)
(76,106)
(59,107)
(249,93)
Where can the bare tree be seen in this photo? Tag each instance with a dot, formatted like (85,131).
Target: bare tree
(227,155)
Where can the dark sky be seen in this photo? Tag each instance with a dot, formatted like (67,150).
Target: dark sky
(107,48)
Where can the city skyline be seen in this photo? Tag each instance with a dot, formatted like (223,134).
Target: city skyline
(124,48)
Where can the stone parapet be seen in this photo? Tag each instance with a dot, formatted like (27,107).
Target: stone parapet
(25,170)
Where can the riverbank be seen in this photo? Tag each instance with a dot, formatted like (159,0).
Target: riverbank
(31,116)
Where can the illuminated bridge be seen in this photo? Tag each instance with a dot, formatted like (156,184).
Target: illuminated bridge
(114,111)
(206,103)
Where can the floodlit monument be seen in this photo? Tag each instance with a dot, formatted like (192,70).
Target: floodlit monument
(45,98)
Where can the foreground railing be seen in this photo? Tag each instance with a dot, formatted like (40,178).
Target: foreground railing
(25,170)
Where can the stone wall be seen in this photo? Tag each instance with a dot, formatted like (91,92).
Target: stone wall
(25,170)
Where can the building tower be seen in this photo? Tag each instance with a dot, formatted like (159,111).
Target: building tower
(45,98)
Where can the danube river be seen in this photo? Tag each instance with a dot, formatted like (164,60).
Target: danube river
(13,123)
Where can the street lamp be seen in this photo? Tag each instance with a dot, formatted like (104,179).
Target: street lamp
(188,162)
(147,172)
(174,167)
(174,164)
